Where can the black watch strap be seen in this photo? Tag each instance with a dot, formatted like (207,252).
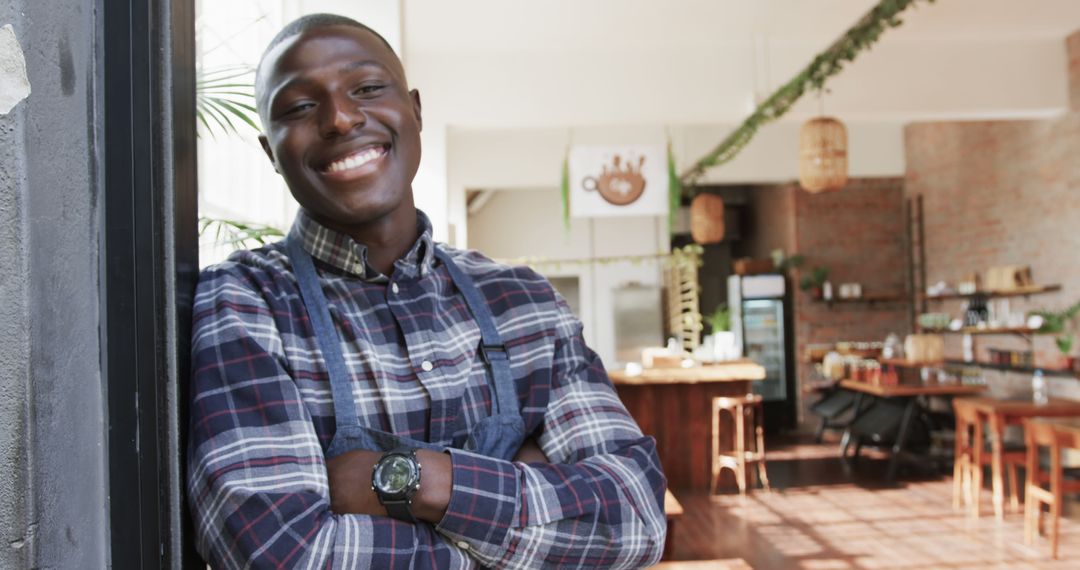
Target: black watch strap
(399,510)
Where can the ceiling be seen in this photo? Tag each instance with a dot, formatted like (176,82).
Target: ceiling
(524,64)
(572,25)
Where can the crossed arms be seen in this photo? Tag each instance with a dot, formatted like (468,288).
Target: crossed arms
(263,495)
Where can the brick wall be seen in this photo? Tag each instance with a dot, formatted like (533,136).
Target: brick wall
(1001,193)
(859,234)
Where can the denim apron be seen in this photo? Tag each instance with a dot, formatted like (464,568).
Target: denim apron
(499,435)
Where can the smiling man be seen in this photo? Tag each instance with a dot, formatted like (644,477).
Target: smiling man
(365,397)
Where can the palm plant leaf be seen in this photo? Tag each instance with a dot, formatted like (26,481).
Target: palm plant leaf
(238,234)
(224,100)
(240,110)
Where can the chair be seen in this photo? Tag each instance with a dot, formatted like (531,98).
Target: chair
(972,454)
(832,404)
(739,457)
(1038,434)
(967,457)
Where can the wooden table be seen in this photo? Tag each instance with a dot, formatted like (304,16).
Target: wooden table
(673,510)
(909,394)
(1001,413)
(718,564)
(1067,425)
(674,405)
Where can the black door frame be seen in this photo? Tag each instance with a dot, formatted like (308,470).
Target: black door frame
(149,270)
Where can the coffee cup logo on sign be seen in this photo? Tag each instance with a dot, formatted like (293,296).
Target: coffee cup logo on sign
(620,185)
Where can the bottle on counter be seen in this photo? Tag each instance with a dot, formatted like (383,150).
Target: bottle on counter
(826,291)
(969,348)
(1040,393)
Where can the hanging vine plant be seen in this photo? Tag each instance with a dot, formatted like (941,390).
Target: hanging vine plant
(828,63)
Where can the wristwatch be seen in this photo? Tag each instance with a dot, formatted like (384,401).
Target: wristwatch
(395,480)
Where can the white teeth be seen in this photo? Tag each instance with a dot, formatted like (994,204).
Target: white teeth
(355,161)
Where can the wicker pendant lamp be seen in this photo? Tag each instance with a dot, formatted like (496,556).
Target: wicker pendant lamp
(707,218)
(823,162)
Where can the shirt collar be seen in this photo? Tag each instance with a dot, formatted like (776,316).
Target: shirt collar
(341,251)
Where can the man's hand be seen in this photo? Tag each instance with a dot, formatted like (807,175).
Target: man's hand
(350,483)
(530,453)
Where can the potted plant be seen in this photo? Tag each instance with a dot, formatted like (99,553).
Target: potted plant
(814,281)
(723,340)
(784,262)
(1065,345)
(720,319)
(1061,324)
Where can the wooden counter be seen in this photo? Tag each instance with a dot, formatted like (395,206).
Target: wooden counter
(734,371)
(674,405)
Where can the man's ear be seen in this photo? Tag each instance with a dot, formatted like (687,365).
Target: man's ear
(415,96)
(265,142)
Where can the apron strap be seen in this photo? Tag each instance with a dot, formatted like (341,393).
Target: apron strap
(325,333)
(492,349)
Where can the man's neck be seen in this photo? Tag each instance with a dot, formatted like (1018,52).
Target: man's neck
(387,239)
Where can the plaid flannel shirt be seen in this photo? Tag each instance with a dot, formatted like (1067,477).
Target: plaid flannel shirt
(262,418)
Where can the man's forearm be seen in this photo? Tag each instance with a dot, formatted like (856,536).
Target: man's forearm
(350,482)
(510,515)
(351,492)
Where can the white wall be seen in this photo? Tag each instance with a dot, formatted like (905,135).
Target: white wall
(528,223)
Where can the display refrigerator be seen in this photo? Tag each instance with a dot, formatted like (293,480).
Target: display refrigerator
(761,318)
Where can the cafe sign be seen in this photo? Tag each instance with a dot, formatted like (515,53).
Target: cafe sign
(625,180)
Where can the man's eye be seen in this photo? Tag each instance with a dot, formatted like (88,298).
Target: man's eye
(298,108)
(371,89)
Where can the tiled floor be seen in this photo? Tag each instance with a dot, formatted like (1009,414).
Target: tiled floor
(823,514)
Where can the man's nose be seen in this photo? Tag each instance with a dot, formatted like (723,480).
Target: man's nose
(341,117)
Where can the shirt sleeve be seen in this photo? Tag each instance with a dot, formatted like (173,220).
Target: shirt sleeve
(599,504)
(257,480)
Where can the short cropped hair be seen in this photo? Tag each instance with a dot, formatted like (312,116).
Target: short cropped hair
(299,26)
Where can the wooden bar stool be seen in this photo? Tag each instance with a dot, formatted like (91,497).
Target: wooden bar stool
(970,455)
(739,457)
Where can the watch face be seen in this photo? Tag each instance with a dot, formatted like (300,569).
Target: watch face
(395,474)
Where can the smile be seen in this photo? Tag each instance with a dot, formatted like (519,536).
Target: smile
(356,161)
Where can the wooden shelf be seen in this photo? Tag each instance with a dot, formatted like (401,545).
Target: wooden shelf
(902,363)
(1010,368)
(879,298)
(905,363)
(1022,292)
(1022,331)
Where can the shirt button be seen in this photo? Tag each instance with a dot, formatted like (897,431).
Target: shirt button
(394,288)
(426,365)
(463,545)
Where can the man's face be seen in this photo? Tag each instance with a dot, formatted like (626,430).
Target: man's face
(341,125)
